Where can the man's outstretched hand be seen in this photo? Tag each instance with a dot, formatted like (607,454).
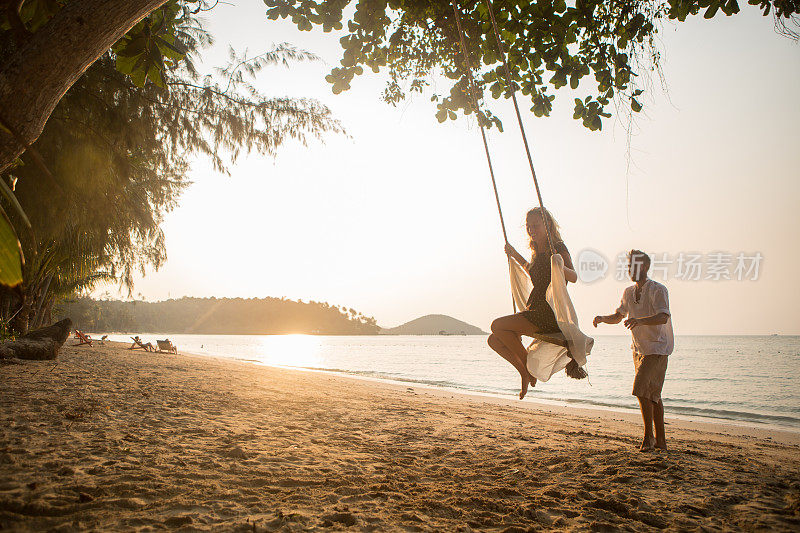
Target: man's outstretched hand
(631,323)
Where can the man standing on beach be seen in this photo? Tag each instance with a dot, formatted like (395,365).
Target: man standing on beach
(646,304)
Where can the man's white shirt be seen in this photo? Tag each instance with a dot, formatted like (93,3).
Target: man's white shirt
(654,299)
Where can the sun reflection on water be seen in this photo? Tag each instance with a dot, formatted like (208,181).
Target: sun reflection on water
(291,350)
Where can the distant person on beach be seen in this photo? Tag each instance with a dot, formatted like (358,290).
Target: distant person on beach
(646,304)
(148,346)
(537,317)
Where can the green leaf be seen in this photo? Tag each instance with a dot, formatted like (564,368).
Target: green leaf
(636,106)
(131,48)
(11,258)
(157,58)
(178,50)
(160,23)
(138,76)
(11,197)
(731,8)
(155,76)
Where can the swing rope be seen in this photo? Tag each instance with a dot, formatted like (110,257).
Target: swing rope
(572,369)
(479,113)
(512,87)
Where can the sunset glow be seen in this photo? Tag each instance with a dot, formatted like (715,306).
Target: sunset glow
(398,220)
(290,350)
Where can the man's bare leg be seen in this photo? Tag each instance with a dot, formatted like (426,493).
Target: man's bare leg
(658,420)
(646,407)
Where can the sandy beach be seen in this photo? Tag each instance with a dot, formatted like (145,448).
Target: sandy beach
(109,439)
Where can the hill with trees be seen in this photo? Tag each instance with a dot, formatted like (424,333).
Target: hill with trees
(235,316)
(434,325)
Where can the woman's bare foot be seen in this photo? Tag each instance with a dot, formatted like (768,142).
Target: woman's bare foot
(529,381)
(648,443)
(661,445)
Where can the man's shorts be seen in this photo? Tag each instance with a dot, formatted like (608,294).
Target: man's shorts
(650,373)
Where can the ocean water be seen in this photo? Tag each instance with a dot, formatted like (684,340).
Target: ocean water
(751,380)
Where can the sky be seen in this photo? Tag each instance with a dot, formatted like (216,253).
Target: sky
(397,219)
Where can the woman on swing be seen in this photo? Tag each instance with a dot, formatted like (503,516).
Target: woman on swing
(538,316)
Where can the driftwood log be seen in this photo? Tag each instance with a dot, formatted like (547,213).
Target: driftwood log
(39,344)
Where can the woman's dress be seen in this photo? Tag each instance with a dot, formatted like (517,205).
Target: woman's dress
(538,311)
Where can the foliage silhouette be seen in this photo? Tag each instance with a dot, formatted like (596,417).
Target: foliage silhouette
(121,153)
(254,316)
(549,43)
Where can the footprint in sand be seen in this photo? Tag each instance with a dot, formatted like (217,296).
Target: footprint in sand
(344,518)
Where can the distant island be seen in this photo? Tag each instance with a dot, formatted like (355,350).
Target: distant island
(243,316)
(434,325)
(227,316)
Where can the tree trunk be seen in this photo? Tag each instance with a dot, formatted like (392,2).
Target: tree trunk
(5,305)
(39,344)
(37,74)
(19,324)
(49,313)
(38,316)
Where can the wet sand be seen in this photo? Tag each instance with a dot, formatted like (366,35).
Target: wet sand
(110,439)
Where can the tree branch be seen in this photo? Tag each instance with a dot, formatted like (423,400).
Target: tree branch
(35,77)
(37,158)
(245,103)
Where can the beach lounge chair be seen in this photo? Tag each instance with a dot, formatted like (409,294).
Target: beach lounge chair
(166,346)
(137,343)
(83,338)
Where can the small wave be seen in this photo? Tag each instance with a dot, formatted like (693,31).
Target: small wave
(705,412)
(384,375)
(745,416)
(694,411)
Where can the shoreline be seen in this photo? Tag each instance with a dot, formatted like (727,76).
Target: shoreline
(789,435)
(721,426)
(105,438)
